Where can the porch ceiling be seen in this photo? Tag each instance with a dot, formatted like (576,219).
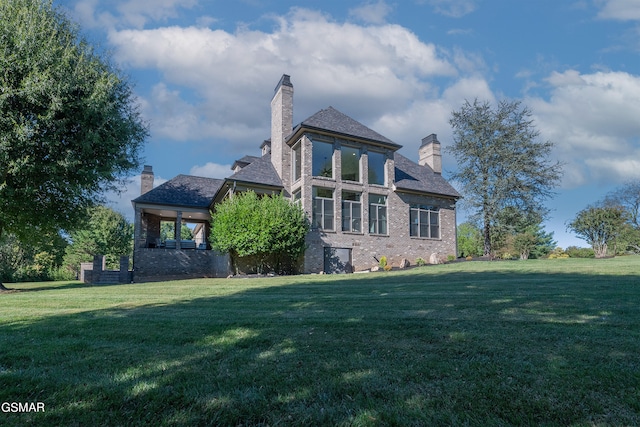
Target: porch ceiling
(186,214)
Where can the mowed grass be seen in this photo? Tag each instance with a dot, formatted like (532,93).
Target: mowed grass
(541,342)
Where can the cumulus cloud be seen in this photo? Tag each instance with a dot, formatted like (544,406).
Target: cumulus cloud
(213,88)
(621,10)
(128,13)
(453,8)
(592,119)
(211,170)
(373,13)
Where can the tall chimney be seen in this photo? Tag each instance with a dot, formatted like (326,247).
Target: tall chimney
(146,179)
(429,153)
(281,127)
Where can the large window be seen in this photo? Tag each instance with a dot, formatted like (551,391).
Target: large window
(424,221)
(376,162)
(351,212)
(323,208)
(350,164)
(297,162)
(322,159)
(377,214)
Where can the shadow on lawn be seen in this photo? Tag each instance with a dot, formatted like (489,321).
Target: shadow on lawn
(405,349)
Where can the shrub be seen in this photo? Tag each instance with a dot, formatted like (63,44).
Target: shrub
(558,253)
(576,252)
(420,262)
(383,262)
(451,258)
(469,258)
(387,267)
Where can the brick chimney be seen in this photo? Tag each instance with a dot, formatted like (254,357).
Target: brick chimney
(146,179)
(281,127)
(429,153)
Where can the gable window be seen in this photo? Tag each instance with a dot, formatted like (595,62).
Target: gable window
(424,221)
(323,209)
(297,162)
(377,214)
(376,162)
(351,212)
(350,164)
(322,159)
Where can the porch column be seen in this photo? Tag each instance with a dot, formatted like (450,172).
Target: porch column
(178,229)
(137,227)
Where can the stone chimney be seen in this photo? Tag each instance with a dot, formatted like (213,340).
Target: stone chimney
(281,127)
(430,153)
(146,180)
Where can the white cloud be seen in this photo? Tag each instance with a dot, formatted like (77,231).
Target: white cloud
(129,13)
(211,170)
(593,120)
(213,87)
(620,10)
(453,8)
(373,13)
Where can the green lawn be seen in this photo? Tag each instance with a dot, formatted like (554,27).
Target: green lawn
(549,342)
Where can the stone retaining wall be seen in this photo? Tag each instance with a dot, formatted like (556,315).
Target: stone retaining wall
(153,264)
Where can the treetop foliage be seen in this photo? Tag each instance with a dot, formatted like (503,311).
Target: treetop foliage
(270,229)
(69,125)
(501,161)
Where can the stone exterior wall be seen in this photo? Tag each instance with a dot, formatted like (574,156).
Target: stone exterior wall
(164,264)
(365,247)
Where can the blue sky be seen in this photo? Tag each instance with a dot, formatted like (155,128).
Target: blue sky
(204,73)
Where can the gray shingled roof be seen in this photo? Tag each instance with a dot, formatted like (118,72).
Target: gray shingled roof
(413,177)
(246,160)
(259,171)
(183,190)
(333,120)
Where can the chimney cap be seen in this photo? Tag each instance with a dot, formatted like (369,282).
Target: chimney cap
(148,169)
(433,138)
(285,80)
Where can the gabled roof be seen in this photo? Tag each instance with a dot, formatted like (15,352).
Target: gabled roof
(183,190)
(334,121)
(260,171)
(410,176)
(246,160)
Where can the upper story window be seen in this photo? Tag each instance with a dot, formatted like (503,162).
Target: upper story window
(350,164)
(351,212)
(296,166)
(376,162)
(424,221)
(377,214)
(323,217)
(322,159)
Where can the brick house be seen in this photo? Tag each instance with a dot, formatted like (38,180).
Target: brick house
(364,199)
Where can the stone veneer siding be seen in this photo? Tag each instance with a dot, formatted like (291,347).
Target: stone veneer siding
(164,264)
(397,244)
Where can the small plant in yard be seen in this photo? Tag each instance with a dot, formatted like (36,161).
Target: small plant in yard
(469,258)
(387,267)
(420,262)
(383,262)
(451,258)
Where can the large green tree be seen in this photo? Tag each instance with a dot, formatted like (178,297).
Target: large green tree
(600,226)
(627,198)
(104,232)
(270,230)
(69,123)
(501,162)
